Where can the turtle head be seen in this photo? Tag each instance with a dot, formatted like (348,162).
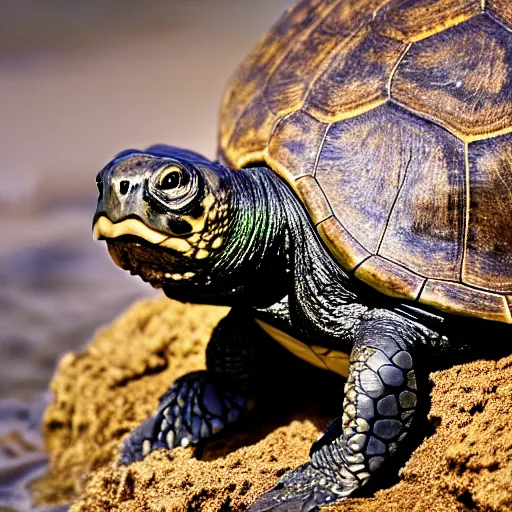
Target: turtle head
(163,213)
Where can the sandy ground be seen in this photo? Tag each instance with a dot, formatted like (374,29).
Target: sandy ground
(464,464)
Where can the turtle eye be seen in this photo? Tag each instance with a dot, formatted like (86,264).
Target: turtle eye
(171,178)
(99,184)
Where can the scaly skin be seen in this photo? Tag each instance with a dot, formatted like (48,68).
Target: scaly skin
(242,238)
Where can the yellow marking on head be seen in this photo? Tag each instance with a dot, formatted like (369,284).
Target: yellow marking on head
(202,254)
(199,223)
(333,360)
(176,244)
(180,277)
(217,242)
(194,239)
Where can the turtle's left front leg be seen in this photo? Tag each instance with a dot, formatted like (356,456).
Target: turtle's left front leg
(243,363)
(378,409)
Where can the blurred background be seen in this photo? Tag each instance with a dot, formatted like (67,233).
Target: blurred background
(79,82)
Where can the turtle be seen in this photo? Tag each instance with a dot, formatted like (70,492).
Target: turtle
(355,220)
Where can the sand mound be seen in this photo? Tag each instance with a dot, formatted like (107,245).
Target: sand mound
(101,394)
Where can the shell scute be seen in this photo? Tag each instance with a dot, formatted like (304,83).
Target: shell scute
(389,278)
(356,79)
(310,192)
(255,70)
(501,10)
(347,250)
(425,228)
(252,132)
(362,182)
(288,85)
(488,260)
(461,81)
(294,147)
(457,298)
(413,20)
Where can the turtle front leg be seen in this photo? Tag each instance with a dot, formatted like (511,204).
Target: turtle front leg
(201,404)
(378,409)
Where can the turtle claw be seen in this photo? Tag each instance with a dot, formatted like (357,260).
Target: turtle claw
(304,489)
(136,446)
(193,409)
(272,501)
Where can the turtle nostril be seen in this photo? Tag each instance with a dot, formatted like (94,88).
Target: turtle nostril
(124,186)
(99,184)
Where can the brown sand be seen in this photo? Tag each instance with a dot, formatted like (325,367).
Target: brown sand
(106,391)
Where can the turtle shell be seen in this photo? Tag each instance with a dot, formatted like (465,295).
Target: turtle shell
(392,121)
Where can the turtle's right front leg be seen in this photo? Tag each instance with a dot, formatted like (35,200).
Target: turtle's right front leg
(378,409)
(201,404)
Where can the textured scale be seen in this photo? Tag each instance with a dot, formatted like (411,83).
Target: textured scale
(392,121)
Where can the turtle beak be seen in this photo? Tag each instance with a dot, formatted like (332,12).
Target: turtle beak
(104,228)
